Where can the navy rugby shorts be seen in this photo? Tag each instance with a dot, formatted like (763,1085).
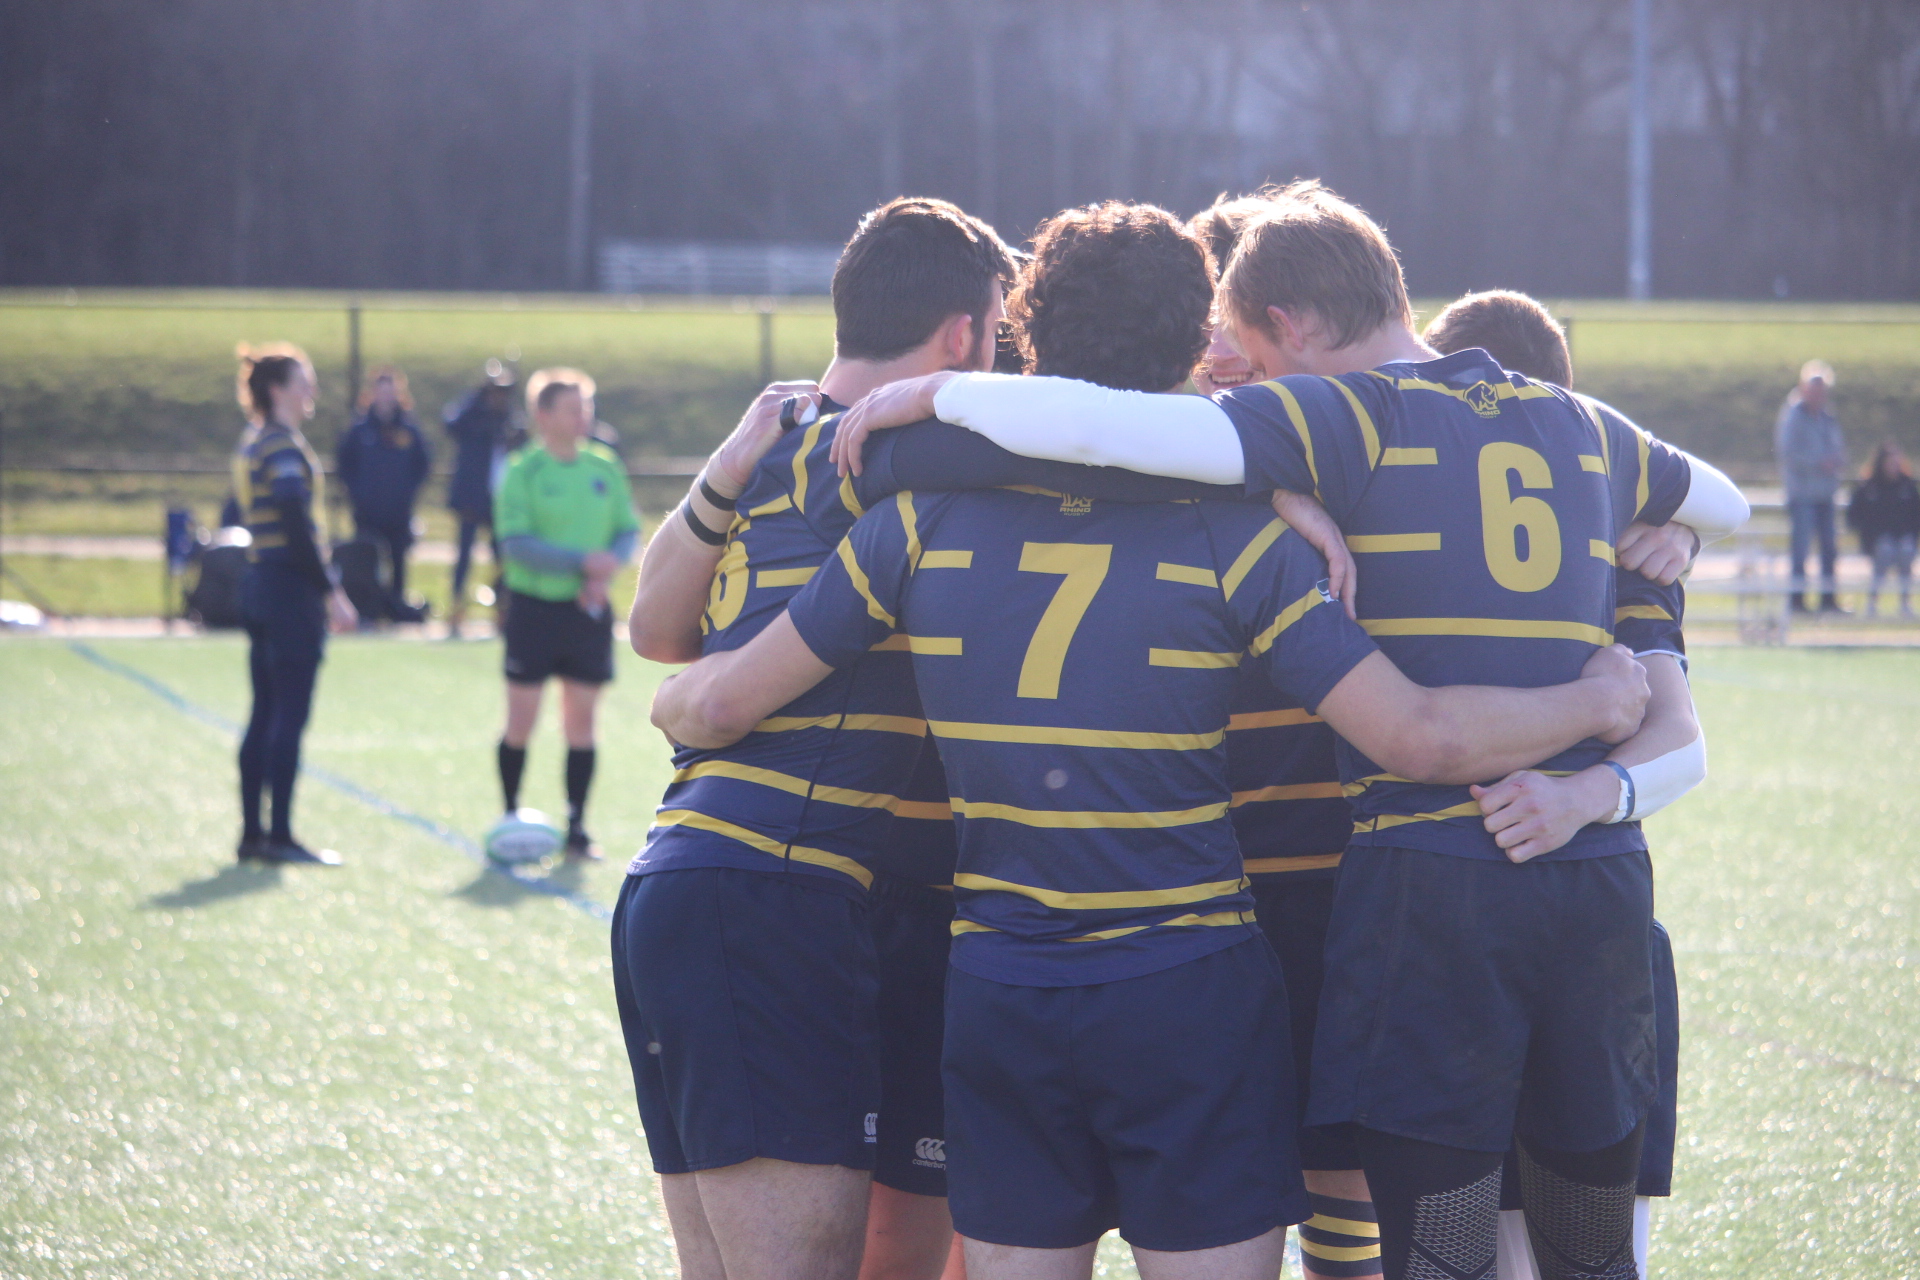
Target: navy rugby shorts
(747,1001)
(1146,1104)
(1293,912)
(912,933)
(1465,996)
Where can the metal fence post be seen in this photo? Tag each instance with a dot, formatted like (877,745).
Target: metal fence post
(766,341)
(353,358)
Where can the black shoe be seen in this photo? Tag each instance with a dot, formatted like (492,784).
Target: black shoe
(294,851)
(1797,603)
(581,848)
(255,847)
(1831,604)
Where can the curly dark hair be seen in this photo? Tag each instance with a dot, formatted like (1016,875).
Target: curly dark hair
(1116,294)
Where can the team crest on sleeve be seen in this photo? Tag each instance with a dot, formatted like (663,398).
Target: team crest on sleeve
(1484,399)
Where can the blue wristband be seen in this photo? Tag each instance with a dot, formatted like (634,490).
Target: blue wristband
(1628,799)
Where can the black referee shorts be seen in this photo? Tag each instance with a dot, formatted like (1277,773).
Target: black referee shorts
(557,638)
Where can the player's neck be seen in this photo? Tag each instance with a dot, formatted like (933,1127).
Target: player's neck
(847,379)
(1389,344)
(562,450)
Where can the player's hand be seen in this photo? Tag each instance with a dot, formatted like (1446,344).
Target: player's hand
(593,596)
(598,566)
(1657,554)
(1625,686)
(1530,813)
(341,615)
(1310,520)
(894,405)
(732,464)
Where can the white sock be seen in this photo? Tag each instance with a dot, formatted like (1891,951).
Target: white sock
(1515,1250)
(1642,1232)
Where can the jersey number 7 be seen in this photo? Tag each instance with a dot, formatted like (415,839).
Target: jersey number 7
(1085,568)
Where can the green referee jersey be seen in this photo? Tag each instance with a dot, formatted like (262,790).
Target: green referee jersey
(582,505)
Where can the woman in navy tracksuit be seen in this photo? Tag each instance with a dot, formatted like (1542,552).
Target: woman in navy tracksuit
(383,460)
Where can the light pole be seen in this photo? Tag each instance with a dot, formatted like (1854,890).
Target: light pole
(1640,160)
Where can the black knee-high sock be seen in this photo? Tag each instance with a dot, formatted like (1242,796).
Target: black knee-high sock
(1580,1208)
(580,761)
(513,762)
(1438,1207)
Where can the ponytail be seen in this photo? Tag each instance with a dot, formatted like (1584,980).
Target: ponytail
(263,368)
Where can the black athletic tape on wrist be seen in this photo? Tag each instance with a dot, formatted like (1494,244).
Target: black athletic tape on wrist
(712,537)
(712,495)
(1627,788)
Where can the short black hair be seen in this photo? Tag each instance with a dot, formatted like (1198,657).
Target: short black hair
(1116,294)
(911,264)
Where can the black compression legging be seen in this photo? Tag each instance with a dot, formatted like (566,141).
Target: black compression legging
(283,663)
(1439,1208)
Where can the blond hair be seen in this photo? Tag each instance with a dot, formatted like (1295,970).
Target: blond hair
(1311,251)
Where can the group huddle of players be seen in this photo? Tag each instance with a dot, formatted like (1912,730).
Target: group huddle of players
(1060,839)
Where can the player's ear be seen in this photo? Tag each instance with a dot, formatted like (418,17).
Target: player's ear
(960,340)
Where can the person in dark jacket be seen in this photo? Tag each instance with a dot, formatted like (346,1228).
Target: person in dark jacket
(479,423)
(1885,512)
(383,460)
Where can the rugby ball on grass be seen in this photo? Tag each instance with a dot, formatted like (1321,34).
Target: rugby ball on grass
(523,836)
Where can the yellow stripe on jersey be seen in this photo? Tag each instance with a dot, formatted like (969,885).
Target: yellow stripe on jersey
(946,560)
(1088,820)
(1504,390)
(1343,1226)
(1309,862)
(1512,628)
(782,503)
(793,786)
(934,646)
(1355,788)
(1409,458)
(959,927)
(878,724)
(1272,719)
(1377,542)
(1384,821)
(1107,935)
(1600,429)
(1290,791)
(1104,901)
(1250,555)
(1192,575)
(1288,616)
(807,442)
(783,577)
(1640,486)
(1214,920)
(754,840)
(1651,612)
(1600,550)
(1191,658)
(1588,462)
(1360,415)
(1052,736)
(849,499)
(859,578)
(1299,421)
(909,521)
(924,811)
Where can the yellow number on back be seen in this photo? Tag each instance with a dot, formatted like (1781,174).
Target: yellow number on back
(1085,567)
(729,590)
(1502,515)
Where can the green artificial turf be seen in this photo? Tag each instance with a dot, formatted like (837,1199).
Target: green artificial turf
(409,1067)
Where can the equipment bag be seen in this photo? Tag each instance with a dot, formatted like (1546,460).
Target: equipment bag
(358,560)
(215,598)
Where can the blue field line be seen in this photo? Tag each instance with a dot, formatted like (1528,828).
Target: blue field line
(372,799)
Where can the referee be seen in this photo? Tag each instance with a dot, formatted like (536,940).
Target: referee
(565,520)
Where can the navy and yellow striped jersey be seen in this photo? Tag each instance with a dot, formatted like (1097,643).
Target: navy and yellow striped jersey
(272,466)
(1483,510)
(1289,811)
(1078,661)
(840,783)
(1647,617)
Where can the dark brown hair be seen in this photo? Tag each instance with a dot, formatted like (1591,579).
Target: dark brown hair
(1516,330)
(1888,455)
(1311,251)
(262,368)
(1116,294)
(1220,224)
(911,265)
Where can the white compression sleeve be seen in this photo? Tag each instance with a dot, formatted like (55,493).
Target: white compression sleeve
(1186,437)
(1664,779)
(1714,506)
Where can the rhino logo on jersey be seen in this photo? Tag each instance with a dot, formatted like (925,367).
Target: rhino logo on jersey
(1484,399)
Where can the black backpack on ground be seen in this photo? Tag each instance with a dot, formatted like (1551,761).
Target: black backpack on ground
(358,560)
(215,598)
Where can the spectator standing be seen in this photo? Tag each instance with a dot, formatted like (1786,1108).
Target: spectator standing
(1812,456)
(383,459)
(1885,512)
(479,423)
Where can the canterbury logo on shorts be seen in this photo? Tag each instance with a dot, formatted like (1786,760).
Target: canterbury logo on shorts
(871,1125)
(930,1153)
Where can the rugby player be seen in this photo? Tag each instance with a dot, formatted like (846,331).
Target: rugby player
(1116,1024)
(566,523)
(1522,335)
(1465,994)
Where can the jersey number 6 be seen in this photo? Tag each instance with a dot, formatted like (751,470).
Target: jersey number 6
(1502,516)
